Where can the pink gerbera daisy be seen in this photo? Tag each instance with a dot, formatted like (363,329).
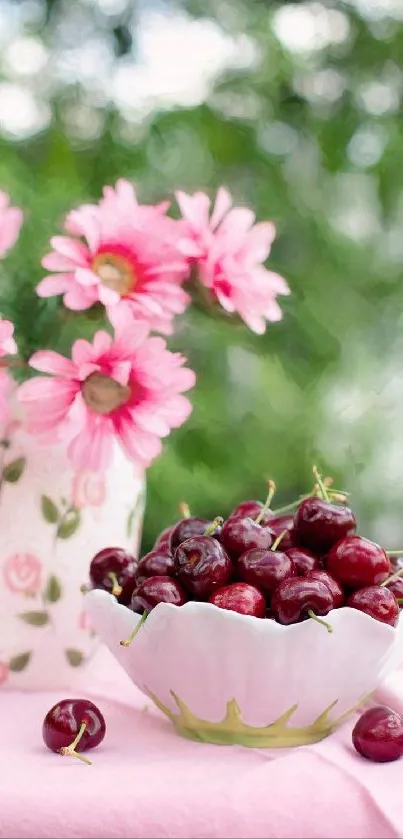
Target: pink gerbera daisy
(229,249)
(127,388)
(7,342)
(129,259)
(11,219)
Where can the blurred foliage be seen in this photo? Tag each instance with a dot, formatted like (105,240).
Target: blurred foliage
(308,130)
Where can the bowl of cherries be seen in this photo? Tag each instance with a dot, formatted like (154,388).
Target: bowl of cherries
(267,629)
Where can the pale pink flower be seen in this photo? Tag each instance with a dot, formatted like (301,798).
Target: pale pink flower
(89,489)
(11,219)
(129,259)
(127,388)
(7,342)
(229,251)
(4,672)
(22,573)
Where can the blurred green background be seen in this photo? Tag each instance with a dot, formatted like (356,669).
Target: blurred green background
(297,108)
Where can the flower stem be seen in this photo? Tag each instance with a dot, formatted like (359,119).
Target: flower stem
(135,631)
(71,750)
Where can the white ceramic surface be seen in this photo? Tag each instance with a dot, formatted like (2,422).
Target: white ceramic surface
(52,522)
(208,657)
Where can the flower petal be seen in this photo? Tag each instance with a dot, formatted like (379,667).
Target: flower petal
(48,361)
(53,284)
(223,204)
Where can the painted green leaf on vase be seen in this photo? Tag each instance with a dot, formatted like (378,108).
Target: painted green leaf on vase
(74,657)
(69,524)
(49,510)
(19,662)
(53,591)
(35,618)
(13,471)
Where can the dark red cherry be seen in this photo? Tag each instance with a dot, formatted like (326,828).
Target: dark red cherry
(252,510)
(202,564)
(239,535)
(378,735)
(304,560)
(295,597)
(278,525)
(156,563)
(334,587)
(357,562)
(187,528)
(397,587)
(240,597)
(264,569)
(73,723)
(155,590)
(318,524)
(164,539)
(113,569)
(376,601)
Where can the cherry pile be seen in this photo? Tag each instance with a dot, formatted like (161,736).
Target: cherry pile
(294,564)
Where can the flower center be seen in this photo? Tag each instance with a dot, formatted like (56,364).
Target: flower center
(115,272)
(103,394)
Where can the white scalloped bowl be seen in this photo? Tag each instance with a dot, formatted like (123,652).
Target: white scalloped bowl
(222,677)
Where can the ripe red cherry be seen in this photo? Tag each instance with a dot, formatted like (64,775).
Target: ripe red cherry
(156,563)
(335,588)
(164,539)
(250,509)
(318,524)
(378,734)
(240,597)
(376,601)
(298,598)
(189,527)
(264,569)
(239,535)
(397,587)
(155,590)
(280,523)
(202,565)
(304,560)
(113,570)
(73,722)
(357,562)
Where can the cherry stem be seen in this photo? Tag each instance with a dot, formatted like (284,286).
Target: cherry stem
(318,478)
(184,510)
(278,540)
(266,507)
(71,749)
(84,589)
(395,553)
(394,576)
(116,588)
(135,631)
(399,599)
(288,508)
(319,620)
(218,521)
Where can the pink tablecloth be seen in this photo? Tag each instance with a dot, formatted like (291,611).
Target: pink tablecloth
(146,782)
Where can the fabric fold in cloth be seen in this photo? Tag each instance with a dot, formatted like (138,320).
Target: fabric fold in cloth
(146,782)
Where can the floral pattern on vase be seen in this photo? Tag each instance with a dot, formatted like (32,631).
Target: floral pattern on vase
(52,521)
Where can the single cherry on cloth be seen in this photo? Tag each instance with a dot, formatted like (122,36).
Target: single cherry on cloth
(318,524)
(240,597)
(298,598)
(113,569)
(155,563)
(377,601)
(264,569)
(356,562)
(378,734)
(279,524)
(240,534)
(202,564)
(71,723)
(304,560)
(334,587)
